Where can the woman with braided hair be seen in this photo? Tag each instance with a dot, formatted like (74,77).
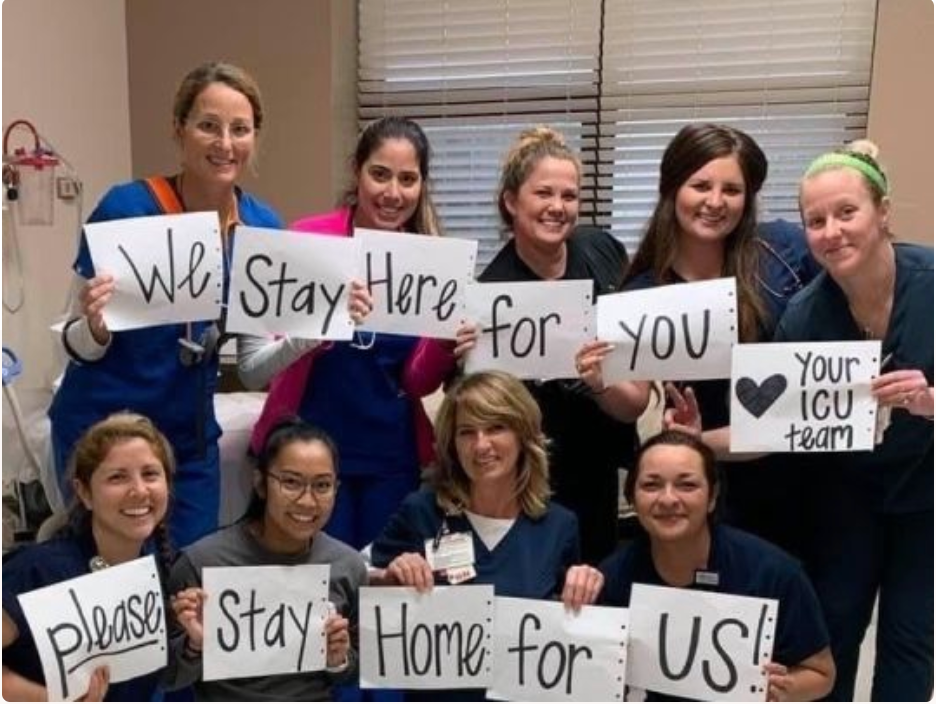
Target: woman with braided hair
(122,472)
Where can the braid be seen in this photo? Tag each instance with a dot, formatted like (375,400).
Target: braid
(165,555)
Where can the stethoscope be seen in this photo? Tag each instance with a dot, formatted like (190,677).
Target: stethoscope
(787,291)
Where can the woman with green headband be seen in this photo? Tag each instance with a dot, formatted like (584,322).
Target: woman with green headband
(874,510)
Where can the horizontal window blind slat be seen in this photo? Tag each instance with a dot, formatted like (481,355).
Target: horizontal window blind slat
(795,74)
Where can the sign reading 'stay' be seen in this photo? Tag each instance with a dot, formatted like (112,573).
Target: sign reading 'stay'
(803,397)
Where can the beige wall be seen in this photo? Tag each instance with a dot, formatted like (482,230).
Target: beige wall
(65,70)
(901,114)
(302,53)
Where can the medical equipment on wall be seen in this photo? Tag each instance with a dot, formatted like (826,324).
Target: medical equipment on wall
(30,187)
(29,177)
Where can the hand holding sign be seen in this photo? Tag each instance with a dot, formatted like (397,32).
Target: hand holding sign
(97,685)
(338,640)
(188,606)
(588,361)
(167,269)
(94,296)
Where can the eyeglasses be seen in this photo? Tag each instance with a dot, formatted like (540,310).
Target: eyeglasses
(215,129)
(294,487)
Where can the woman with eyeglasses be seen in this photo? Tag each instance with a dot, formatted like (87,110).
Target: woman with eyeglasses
(490,496)
(168,372)
(704,226)
(365,393)
(295,488)
(122,471)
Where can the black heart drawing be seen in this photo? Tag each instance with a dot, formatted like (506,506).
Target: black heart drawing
(757,399)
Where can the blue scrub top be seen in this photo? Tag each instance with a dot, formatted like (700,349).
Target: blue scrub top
(41,565)
(897,477)
(746,566)
(142,369)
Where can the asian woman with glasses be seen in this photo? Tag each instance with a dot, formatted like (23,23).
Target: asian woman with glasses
(167,372)
(295,489)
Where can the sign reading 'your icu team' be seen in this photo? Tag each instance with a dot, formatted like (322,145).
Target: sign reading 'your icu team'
(804,397)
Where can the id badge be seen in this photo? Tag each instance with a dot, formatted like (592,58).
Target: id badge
(451,551)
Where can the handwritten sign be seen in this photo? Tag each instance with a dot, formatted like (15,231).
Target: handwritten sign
(698,644)
(675,332)
(167,268)
(803,397)
(436,640)
(530,328)
(545,652)
(291,284)
(264,620)
(114,617)
(417,282)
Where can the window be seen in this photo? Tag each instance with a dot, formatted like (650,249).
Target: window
(618,78)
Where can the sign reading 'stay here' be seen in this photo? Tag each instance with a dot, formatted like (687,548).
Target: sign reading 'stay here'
(803,397)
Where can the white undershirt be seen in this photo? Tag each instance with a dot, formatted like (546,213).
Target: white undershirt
(490,530)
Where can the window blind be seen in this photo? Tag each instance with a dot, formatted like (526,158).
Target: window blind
(618,78)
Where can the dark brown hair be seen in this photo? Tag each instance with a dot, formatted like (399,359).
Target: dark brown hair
(678,439)
(692,148)
(425,220)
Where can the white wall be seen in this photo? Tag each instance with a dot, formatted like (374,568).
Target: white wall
(65,70)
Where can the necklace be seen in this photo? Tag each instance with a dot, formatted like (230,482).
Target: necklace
(98,563)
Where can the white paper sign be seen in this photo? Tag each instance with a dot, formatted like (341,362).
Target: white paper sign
(531,329)
(290,283)
(417,282)
(167,268)
(435,640)
(803,396)
(698,644)
(675,332)
(545,652)
(266,620)
(114,617)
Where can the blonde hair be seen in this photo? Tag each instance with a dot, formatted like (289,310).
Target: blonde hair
(532,146)
(497,398)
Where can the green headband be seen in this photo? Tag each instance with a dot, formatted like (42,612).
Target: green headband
(852,162)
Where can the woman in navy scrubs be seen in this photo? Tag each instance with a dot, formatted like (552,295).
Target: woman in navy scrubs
(873,537)
(123,469)
(674,488)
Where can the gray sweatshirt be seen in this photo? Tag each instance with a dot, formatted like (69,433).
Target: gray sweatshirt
(236,546)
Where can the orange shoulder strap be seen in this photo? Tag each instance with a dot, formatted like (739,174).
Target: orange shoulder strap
(164,194)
